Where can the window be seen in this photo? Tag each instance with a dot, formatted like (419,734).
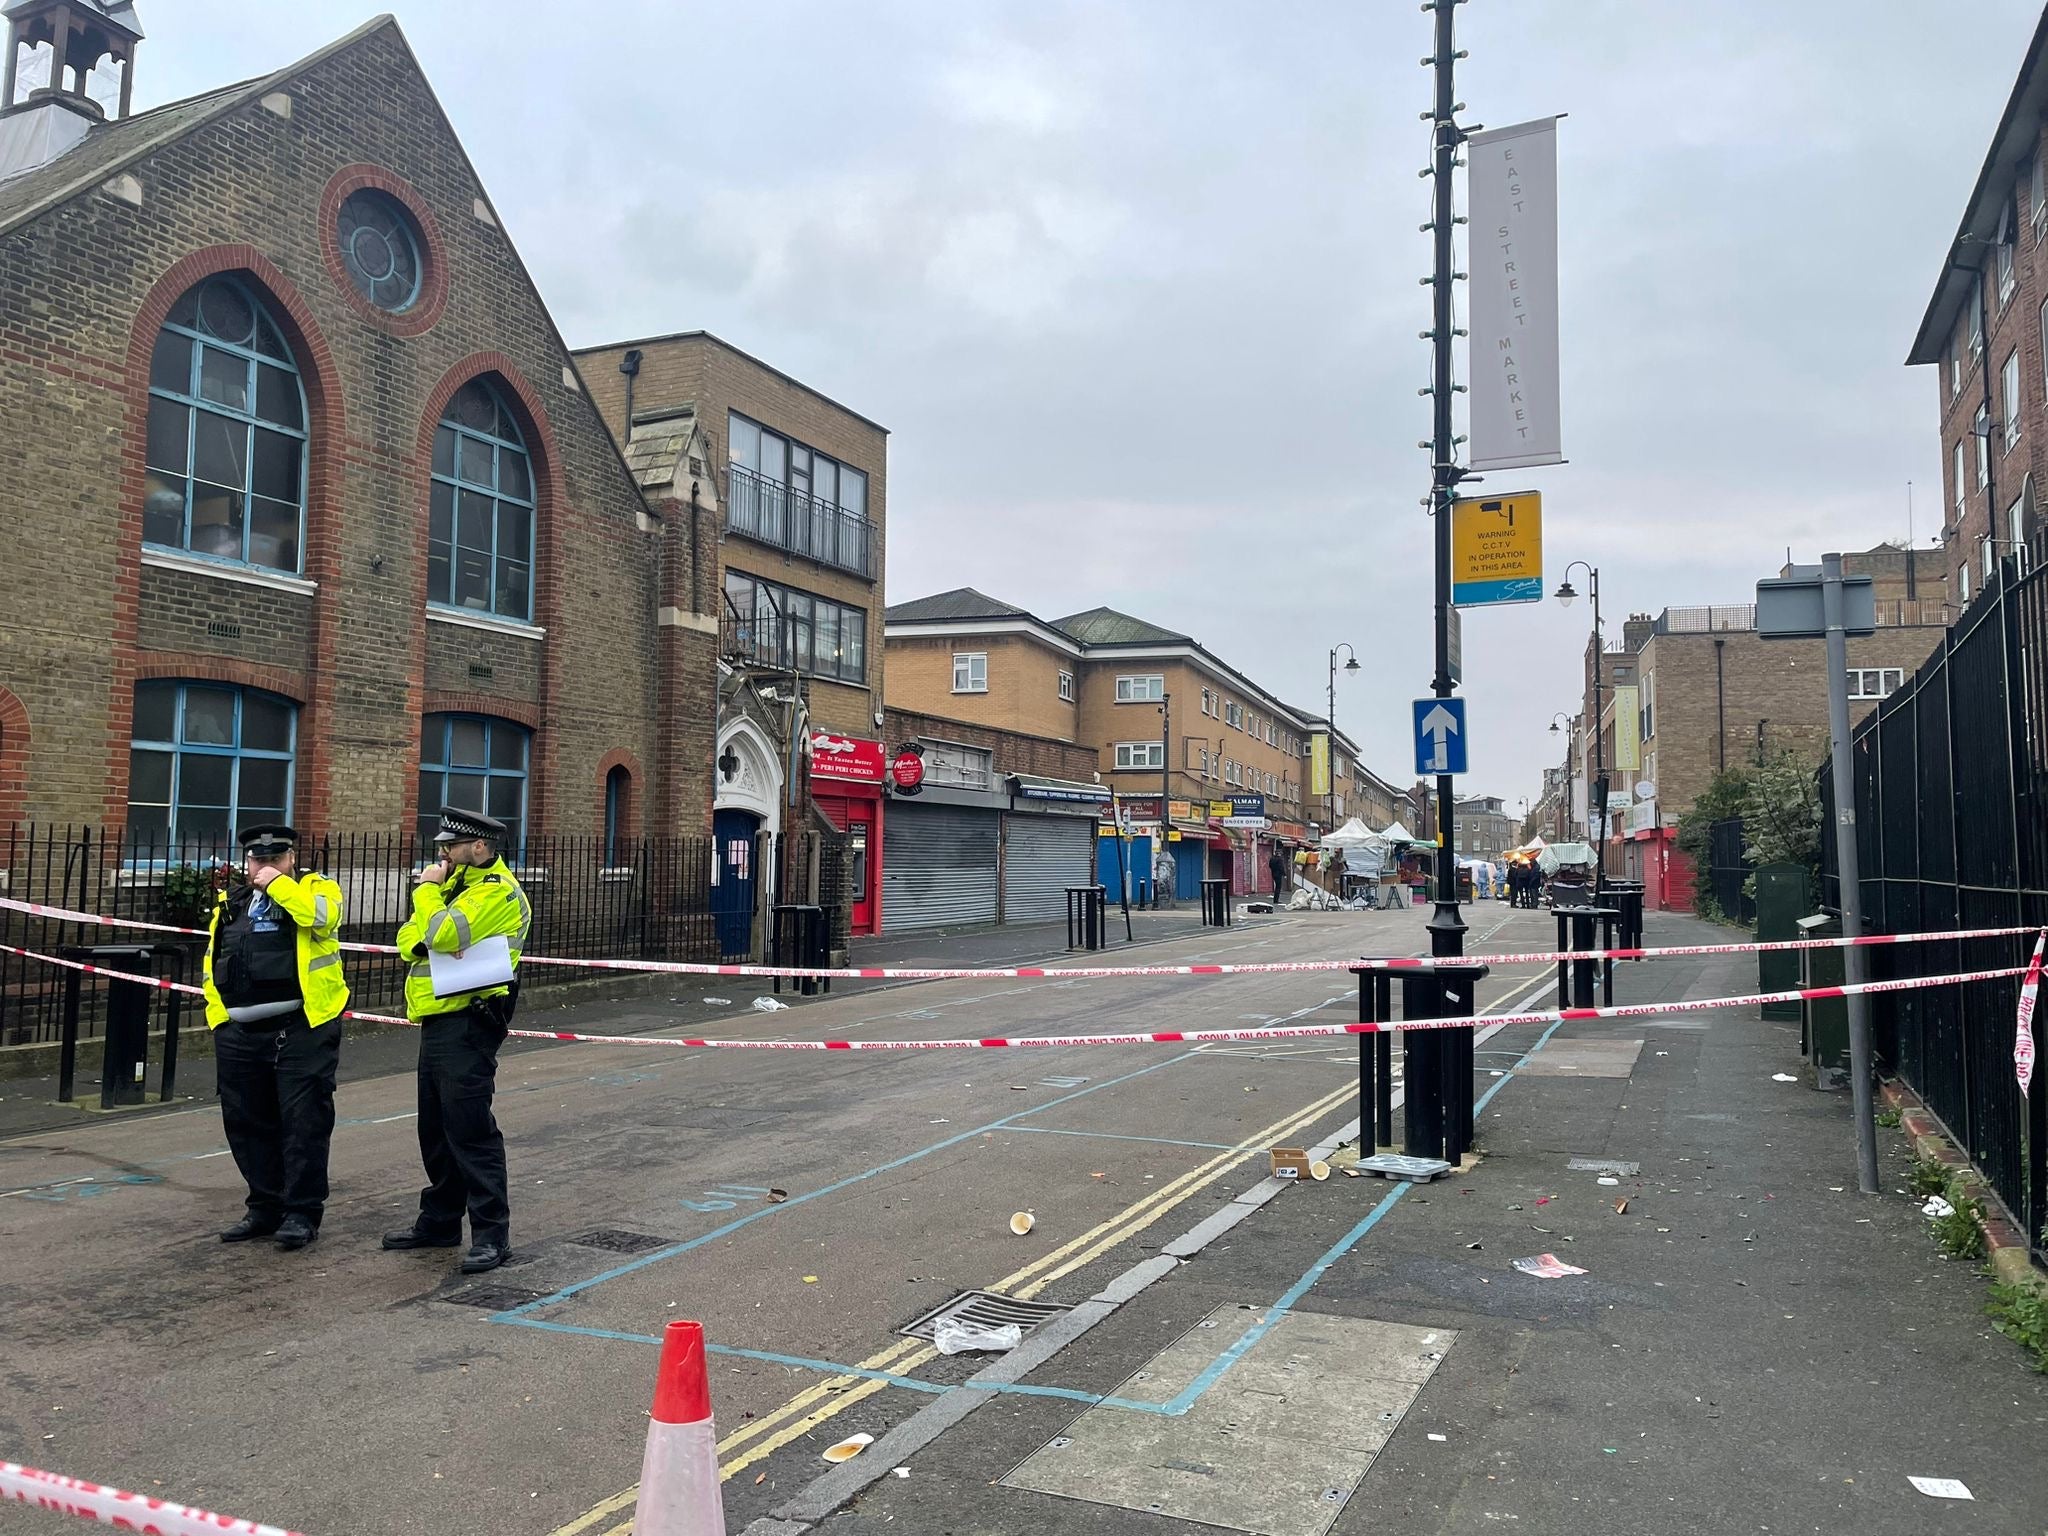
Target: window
(618,789)
(1067,686)
(225,460)
(2003,261)
(1962,492)
(1140,690)
(1980,428)
(785,493)
(1963,580)
(1976,316)
(480,518)
(1955,362)
(1874,682)
(778,626)
(1989,548)
(970,672)
(205,759)
(1140,754)
(2009,396)
(2037,197)
(1209,697)
(476,763)
(381,250)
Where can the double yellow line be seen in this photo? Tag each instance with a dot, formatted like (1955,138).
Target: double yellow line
(763,1436)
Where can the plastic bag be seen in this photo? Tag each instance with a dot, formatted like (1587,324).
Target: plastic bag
(768,1005)
(956,1338)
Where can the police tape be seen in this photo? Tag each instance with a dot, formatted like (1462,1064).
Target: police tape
(1289,1031)
(117,1507)
(1101,972)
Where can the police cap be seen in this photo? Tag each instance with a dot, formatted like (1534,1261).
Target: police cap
(268,840)
(459,826)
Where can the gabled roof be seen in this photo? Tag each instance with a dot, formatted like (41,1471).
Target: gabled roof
(1106,626)
(2012,145)
(111,147)
(960,603)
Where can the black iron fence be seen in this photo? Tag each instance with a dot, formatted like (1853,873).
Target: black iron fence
(644,899)
(1951,778)
(774,513)
(1728,870)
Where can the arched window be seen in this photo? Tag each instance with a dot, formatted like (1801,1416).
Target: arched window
(226,454)
(480,525)
(205,759)
(380,248)
(618,812)
(477,763)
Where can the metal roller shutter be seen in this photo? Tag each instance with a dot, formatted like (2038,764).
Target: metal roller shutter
(938,867)
(1042,856)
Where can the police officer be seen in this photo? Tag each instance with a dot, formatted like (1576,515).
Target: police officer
(274,997)
(465,897)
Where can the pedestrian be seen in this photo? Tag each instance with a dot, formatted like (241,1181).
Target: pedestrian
(1163,872)
(1276,866)
(274,998)
(1336,875)
(466,897)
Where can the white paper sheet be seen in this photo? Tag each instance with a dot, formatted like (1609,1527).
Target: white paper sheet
(486,963)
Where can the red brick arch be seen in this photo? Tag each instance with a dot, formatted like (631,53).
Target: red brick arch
(14,744)
(551,503)
(440,701)
(433,296)
(326,433)
(629,818)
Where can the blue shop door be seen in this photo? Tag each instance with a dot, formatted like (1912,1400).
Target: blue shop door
(1188,860)
(733,849)
(1137,861)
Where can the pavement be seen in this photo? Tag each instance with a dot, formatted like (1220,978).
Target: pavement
(1752,1346)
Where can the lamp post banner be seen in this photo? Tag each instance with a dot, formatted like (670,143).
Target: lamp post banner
(1512,175)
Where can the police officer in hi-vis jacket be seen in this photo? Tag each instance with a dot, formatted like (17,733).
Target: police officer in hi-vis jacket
(463,899)
(274,998)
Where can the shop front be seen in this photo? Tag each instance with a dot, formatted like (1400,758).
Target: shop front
(1123,863)
(942,839)
(1188,837)
(1243,819)
(846,786)
(1048,835)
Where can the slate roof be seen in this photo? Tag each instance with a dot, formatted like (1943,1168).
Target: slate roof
(111,147)
(960,603)
(1106,626)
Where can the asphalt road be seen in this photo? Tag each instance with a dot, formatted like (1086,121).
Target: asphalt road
(344,1389)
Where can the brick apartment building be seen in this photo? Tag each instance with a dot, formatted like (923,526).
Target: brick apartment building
(1697,689)
(1167,719)
(781,493)
(1983,331)
(310,514)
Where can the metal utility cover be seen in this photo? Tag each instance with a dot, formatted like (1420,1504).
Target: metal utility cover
(1584,1058)
(984,1309)
(496,1298)
(613,1240)
(1274,1445)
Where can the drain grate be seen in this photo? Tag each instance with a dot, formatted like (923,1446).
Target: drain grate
(985,1309)
(613,1240)
(498,1298)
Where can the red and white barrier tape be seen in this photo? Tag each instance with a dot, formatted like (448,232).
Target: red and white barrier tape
(1099,972)
(1161,1037)
(118,1508)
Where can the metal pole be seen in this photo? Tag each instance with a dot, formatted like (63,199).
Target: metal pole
(1165,792)
(1851,875)
(1330,752)
(1446,924)
(1599,742)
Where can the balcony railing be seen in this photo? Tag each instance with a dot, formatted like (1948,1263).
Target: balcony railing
(770,512)
(1892,613)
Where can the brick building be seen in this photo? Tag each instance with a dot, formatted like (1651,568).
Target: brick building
(782,494)
(1167,719)
(311,514)
(1983,331)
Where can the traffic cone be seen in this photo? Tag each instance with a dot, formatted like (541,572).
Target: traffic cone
(679,1491)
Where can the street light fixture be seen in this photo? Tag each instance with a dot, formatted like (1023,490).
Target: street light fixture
(1569,726)
(1330,752)
(1565,595)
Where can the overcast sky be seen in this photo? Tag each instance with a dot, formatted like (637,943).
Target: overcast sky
(1134,284)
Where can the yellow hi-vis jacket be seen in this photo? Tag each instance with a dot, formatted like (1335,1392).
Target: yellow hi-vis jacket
(313,903)
(472,904)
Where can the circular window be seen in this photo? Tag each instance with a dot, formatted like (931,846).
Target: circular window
(380,249)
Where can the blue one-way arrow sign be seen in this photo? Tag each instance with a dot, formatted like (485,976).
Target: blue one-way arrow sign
(1439,736)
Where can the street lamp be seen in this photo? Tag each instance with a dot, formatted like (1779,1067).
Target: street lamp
(1565,594)
(1568,726)
(1330,750)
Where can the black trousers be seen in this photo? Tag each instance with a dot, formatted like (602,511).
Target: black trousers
(277,1104)
(460,1143)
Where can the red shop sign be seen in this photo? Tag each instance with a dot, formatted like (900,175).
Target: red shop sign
(845,759)
(908,772)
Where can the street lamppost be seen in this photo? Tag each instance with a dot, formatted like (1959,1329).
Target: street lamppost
(1330,746)
(1565,594)
(1567,719)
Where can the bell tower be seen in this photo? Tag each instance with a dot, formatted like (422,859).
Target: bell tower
(77,36)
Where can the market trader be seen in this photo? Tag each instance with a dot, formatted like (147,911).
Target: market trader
(464,898)
(274,997)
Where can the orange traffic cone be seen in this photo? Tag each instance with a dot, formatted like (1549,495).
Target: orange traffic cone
(679,1492)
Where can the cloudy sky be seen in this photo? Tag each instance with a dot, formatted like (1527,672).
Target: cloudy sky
(1133,282)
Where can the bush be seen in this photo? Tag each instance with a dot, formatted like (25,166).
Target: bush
(189,892)
(1725,795)
(2020,1312)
